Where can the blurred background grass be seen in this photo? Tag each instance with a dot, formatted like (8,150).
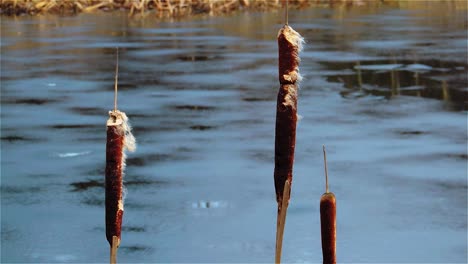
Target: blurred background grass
(176,8)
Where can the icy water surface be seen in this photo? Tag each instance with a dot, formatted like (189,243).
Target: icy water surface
(384,89)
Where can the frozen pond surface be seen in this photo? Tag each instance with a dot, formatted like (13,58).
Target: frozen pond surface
(384,89)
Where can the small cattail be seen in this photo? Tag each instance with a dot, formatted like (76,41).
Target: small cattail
(328,220)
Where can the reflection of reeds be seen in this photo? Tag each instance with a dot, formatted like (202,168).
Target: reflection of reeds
(185,7)
(359,74)
(119,139)
(445,91)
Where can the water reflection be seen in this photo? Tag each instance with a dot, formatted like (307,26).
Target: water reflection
(421,79)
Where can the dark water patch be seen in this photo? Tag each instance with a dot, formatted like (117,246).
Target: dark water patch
(19,190)
(124,86)
(75,126)
(432,157)
(141,181)
(245,122)
(30,101)
(8,233)
(91,139)
(20,138)
(85,185)
(136,229)
(256,99)
(379,113)
(98,170)
(265,156)
(168,126)
(202,127)
(198,57)
(151,159)
(461,156)
(450,185)
(184,150)
(161,95)
(88,111)
(135,249)
(93,201)
(21,195)
(134,116)
(41,176)
(194,107)
(411,132)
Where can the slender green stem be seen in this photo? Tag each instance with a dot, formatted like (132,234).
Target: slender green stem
(116,80)
(326,169)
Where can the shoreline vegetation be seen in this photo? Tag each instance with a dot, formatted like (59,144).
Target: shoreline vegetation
(182,8)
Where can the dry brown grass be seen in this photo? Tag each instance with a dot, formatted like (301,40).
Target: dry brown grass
(187,7)
(170,7)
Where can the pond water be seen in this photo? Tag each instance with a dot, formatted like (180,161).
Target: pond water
(385,90)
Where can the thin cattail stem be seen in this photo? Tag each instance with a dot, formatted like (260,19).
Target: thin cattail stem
(326,168)
(113,250)
(286,11)
(281,222)
(116,80)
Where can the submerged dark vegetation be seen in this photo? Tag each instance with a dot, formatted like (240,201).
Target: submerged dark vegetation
(180,8)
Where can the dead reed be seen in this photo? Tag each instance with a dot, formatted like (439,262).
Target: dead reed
(289,45)
(119,139)
(191,7)
(167,7)
(328,220)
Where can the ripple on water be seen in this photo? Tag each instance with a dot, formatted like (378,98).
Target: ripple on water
(378,67)
(136,249)
(88,111)
(202,127)
(16,138)
(31,101)
(385,44)
(155,158)
(85,185)
(130,181)
(23,195)
(194,107)
(336,56)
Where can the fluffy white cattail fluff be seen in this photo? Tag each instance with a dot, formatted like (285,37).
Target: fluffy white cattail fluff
(290,44)
(120,119)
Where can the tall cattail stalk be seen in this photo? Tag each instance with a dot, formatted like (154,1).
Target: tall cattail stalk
(119,139)
(289,45)
(328,220)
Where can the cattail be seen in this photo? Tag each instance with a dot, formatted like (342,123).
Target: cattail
(328,220)
(289,45)
(119,139)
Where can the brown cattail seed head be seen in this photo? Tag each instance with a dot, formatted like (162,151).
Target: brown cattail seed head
(328,227)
